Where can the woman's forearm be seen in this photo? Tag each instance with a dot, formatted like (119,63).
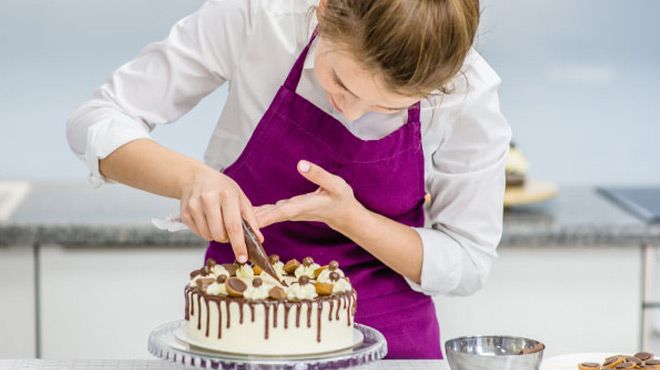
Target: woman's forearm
(146,165)
(396,245)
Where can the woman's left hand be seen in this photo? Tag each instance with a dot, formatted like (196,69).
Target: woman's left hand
(330,203)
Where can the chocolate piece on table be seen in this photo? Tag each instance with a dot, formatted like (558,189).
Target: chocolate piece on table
(589,365)
(235,287)
(274,258)
(633,359)
(652,362)
(303,279)
(308,261)
(277,293)
(626,365)
(612,362)
(291,265)
(644,355)
(257,282)
(333,265)
(256,252)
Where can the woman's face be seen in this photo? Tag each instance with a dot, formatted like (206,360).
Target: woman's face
(352,90)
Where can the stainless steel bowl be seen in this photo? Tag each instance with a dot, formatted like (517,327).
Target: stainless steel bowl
(494,353)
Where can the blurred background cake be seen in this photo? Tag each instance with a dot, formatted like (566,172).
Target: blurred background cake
(517,167)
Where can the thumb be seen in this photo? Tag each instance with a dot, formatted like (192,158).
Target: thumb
(320,177)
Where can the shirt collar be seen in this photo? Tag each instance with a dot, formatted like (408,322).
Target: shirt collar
(311,54)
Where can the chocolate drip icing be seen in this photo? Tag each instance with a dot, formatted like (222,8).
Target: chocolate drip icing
(287,308)
(192,303)
(266,307)
(309,314)
(319,310)
(297,314)
(187,313)
(228,313)
(208,315)
(199,311)
(346,300)
(219,319)
(275,314)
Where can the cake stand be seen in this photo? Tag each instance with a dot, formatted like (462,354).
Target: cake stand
(164,344)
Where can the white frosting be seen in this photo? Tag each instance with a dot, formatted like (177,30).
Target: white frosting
(297,291)
(193,281)
(306,270)
(289,279)
(279,268)
(341,285)
(260,292)
(269,279)
(324,276)
(216,289)
(218,270)
(245,273)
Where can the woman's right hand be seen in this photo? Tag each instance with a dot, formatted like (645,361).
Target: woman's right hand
(213,206)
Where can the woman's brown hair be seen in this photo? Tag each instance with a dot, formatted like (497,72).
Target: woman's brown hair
(418,46)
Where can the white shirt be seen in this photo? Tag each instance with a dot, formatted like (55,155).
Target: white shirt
(252,44)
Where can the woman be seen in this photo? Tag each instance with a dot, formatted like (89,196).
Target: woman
(337,122)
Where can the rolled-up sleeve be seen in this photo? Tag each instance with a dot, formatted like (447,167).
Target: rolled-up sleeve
(163,82)
(466,183)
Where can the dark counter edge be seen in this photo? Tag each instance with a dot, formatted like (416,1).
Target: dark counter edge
(146,236)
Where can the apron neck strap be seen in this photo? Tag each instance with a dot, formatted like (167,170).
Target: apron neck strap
(296,71)
(293,78)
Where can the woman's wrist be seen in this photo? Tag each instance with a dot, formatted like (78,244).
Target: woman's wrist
(353,216)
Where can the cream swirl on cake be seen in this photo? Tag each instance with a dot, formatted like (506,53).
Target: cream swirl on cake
(238,308)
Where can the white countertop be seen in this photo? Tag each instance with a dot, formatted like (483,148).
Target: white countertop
(158,365)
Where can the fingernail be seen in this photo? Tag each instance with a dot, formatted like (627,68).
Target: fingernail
(242,258)
(304,166)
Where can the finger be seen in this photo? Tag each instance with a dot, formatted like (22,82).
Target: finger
(292,209)
(250,217)
(188,220)
(263,209)
(198,216)
(211,203)
(231,214)
(321,177)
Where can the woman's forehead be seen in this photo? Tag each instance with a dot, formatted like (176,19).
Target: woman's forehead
(365,84)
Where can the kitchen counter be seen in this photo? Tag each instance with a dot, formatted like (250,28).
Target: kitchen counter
(162,365)
(115,215)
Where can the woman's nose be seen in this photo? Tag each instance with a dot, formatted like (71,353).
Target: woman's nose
(352,108)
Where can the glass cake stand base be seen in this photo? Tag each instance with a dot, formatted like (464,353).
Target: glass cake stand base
(164,344)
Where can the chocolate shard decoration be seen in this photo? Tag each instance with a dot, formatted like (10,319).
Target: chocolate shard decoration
(256,252)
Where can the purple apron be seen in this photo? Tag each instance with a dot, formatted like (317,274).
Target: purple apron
(387,177)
